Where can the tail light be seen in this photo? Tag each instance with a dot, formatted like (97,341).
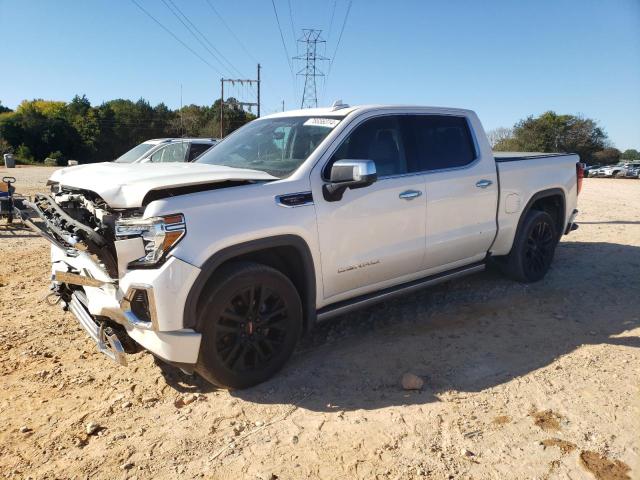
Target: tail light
(579,175)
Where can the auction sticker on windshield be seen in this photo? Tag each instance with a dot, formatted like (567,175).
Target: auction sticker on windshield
(322,122)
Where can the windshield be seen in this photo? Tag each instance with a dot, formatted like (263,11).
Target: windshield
(277,146)
(135,153)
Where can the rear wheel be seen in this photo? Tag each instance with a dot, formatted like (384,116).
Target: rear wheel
(533,248)
(250,320)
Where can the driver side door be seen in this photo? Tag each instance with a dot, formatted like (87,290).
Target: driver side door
(374,236)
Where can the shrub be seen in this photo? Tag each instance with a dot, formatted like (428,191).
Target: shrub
(23,154)
(5,147)
(57,157)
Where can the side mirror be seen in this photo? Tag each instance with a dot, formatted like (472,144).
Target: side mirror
(349,174)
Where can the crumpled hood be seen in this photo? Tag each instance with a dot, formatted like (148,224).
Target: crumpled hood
(124,185)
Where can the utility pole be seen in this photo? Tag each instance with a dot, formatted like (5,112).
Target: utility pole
(283,105)
(221,107)
(241,81)
(310,38)
(258,90)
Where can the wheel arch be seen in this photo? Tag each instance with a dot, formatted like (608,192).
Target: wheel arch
(552,201)
(289,254)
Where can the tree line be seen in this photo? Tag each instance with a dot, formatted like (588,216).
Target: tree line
(40,129)
(551,132)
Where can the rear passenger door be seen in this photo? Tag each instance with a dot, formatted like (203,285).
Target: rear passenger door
(461,189)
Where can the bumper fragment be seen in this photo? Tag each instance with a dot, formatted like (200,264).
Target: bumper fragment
(106,341)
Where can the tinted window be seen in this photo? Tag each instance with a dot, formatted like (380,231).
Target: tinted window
(435,142)
(198,149)
(378,139)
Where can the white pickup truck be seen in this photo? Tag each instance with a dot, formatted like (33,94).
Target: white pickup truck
(220,265)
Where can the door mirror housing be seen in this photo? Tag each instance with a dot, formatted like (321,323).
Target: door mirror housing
(348,174)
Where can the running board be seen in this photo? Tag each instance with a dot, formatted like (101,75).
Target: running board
(362,301)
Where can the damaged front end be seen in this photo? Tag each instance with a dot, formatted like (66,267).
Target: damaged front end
(108,264)
(79,224)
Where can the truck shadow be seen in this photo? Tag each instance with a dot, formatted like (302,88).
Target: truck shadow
(15,230)
(613,222)
(465,336)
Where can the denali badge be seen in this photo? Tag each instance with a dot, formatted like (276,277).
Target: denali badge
(356,267)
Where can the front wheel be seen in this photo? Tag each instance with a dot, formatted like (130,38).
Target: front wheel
(533,248)
(250,319)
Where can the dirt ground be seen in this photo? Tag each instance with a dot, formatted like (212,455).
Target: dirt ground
(521,381)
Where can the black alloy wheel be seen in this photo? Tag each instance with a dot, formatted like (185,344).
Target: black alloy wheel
(252,329)
(533,248)
(539,249)
(250,318)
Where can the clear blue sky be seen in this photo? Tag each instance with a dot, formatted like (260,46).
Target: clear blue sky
(504,59)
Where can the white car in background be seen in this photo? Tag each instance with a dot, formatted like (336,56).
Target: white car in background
(611,170)
(164,150)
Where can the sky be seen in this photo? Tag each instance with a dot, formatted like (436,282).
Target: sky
(504,59)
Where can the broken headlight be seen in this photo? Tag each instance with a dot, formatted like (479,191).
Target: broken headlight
(159,235)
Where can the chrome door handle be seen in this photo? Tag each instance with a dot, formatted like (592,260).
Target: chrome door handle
(410,194)
(483,183)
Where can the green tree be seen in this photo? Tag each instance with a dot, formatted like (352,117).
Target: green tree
(551,132)
(630,154)
(89,133)
(191,120)
(78,107)
(4,109)
(607,156)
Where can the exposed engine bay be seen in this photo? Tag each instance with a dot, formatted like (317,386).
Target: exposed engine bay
(82,220)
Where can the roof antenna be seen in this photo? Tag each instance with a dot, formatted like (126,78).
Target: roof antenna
(337,105)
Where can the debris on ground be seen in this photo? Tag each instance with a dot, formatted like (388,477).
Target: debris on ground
(411,381)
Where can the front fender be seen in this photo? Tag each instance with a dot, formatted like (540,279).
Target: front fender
(236,251)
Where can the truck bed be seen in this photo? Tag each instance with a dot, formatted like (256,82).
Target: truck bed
(518,156)
(521,176)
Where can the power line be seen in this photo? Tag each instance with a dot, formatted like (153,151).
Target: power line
(293,30)
(175,37)
(294,39)
(233,34)
(333,12)
(231,31)
(191,31)
(219,54)
(344,23)
(335,52)
(284,45)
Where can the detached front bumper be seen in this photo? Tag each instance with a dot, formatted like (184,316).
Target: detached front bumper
(107,341)
(147,303)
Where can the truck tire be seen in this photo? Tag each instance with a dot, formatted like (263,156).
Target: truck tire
(533,248)
(250,318)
